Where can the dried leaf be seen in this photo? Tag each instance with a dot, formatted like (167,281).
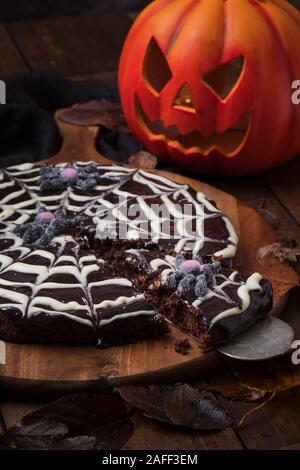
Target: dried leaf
(284,250)
(253,382)
(78,443)
(81,422)
(242,422)
(179,405)
(41,427)
(144,160)
(95,113)
(232,389)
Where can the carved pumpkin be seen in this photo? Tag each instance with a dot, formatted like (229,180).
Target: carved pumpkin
(207,84)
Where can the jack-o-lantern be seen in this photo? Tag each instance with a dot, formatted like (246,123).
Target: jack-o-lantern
(207,84)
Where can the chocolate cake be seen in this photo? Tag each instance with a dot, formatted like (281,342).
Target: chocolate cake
(105,254)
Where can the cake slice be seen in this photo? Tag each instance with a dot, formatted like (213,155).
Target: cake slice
(208,301)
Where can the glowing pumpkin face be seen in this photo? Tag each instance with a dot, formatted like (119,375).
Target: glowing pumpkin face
(207,83)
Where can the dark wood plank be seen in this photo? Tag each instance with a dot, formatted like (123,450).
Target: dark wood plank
(76,46)
(256,192)
(152,435)
(11,60)
(291,447)
(284,182)
(108,77)
(275,426)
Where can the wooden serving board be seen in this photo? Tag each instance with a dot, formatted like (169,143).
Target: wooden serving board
(64,369)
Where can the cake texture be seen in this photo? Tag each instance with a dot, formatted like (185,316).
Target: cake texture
(94,254)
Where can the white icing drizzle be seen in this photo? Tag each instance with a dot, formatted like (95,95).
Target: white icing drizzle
(165,274)
(119,301)
(21,169)
(252,283)
(123,316)
(230,250)
(203,200)
(39,310)
(157,263)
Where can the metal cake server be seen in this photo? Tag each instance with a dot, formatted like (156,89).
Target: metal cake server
(268,338)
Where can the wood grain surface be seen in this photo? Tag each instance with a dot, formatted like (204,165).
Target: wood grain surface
(51,47)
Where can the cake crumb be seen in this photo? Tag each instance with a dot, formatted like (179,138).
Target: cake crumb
(183,346)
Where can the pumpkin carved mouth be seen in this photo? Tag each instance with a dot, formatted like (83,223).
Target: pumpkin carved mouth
(228,142)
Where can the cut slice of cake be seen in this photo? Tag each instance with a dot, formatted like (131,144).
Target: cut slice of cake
(208,301)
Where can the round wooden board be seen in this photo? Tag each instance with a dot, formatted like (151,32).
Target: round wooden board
(63,369)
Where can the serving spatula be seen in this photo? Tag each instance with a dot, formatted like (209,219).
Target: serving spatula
(267,339)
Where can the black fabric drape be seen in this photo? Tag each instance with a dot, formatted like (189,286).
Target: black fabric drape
(28,131)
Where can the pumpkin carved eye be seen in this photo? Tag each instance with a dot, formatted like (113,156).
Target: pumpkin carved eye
(156,70)
(223,80)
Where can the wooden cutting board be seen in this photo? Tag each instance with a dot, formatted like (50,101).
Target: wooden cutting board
(64,369)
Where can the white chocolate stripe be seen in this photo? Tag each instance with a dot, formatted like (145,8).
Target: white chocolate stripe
(12,295)
(252,283)
(123,316)
(119,301)
(84,321)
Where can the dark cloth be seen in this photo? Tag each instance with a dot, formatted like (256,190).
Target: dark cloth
(118,146)
(28,130)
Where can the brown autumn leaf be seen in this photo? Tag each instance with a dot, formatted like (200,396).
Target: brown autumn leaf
(284,250)
(75,422)
(178,404)
(254,381)
(94,113)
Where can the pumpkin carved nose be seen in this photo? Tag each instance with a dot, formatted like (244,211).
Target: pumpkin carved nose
(184,99)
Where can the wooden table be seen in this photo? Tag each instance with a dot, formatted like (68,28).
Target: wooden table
(88,48)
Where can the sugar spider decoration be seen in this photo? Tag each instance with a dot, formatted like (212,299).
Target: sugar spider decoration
(190,276)
(46,226)
(54,178)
